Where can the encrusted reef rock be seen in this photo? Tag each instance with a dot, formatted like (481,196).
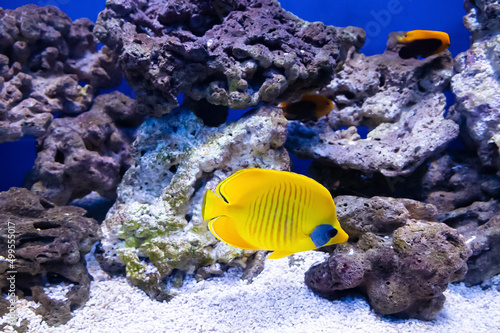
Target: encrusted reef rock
(477,84)
(219,51)
(50,244)
(355,182)
(85,153)
(459,185)
(479,223)
(452,180)
(399,101)
(482,17)
(155,229)
(457,179)
(44,57)
(402,262)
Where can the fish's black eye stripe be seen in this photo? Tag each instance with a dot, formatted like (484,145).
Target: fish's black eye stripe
(222,196)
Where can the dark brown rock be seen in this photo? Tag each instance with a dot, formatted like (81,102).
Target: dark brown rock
(457,179)
(479,223)
(50,244)
(402,262)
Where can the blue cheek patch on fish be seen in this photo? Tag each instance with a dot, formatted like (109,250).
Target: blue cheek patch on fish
(322,234)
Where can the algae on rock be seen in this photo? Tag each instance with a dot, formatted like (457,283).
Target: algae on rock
(476,87)
(155,228)
(397,257)
(400,102)
(226,57)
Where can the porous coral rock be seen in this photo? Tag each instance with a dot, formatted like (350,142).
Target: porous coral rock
(219,51)
(402,262)
(479,223)
(452,180)
(85,153)
(50,245)
(355,182)
(400,100)
(482,17)
(457,179)
(44,57)
(476,87)
(155,228)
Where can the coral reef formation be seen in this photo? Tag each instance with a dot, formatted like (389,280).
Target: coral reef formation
(379,94)
(402,253)
(402,262)
(85,153)
(476,83)
(482,17)
(401,101)
(457,179)
(155,229)
(48,65)
(479,223)
(50,244)
(464,193)
(219,51)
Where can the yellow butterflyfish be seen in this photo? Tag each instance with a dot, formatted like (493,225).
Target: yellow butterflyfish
(258,209)
(423,43)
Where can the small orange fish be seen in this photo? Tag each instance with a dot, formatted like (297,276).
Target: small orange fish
(310,107)
(423,43)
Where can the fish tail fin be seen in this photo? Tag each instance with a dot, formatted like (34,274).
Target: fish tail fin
(284,106)
(222,226)
(224,229)
(213,206)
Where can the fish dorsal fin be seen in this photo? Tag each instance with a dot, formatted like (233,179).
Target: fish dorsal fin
(213,206)
(224,228)
(279,254)
(240,184)
(237,187)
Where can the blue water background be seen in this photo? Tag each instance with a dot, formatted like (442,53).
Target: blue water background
(378,18)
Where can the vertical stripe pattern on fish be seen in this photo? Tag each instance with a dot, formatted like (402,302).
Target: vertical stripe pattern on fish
(259,209)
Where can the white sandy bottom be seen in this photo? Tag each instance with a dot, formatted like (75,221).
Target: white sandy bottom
(277,301)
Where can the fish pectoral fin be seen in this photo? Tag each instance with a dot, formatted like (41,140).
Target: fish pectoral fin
(279,254)
(224,228)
